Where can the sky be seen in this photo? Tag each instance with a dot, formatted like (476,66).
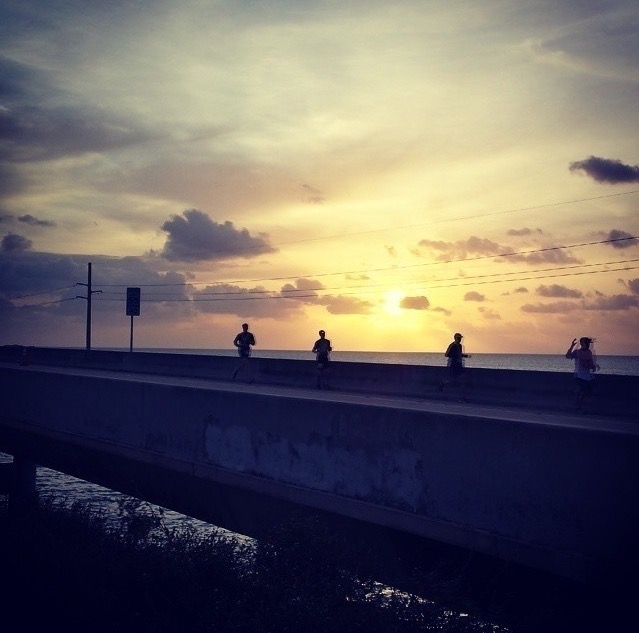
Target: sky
(391,173)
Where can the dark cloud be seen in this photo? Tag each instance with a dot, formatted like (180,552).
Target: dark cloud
(40,132)
(521,290)
(32,133)
(613,303)
(633,284)
(462,249)
(607,170)
(195,237)
(12,243)
(11,182)
(244,302)
(40,294)
(475,247)
(557,291)
(622,239)
(345,305)
(550,255)
(414,303)
(16,79)
(305,291)
(524,231)
(438,309)
(285,303)
(304,288)
(32,221)
(560,307)
(25,272)
(474,296)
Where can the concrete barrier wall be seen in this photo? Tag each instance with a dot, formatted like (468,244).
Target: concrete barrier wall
(548,496)
(548,391)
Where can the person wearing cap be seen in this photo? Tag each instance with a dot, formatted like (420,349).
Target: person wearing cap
(244,341)
(585,365)
(322,350)
(456,370)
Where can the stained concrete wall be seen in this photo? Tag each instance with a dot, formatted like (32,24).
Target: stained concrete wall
(558,497)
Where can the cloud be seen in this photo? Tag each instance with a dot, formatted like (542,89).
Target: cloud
(613,303)
(462,249)
(305,291)
(32,221)
(549,255)
(633,284)
(560,307)
(474,296)
(476,247)
(314,195)
(487,313)
(622,239)
(195,237)
(520,290)
(555,290)
(12,242)
(607,170)
(36,133)
(414,303)
(254,302)
(439,309)
(345,305)
(524,231)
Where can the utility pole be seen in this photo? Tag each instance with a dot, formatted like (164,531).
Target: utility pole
(90,293)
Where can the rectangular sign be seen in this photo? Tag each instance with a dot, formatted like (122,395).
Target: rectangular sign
(133,302)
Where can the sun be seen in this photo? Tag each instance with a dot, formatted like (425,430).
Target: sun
(392,300)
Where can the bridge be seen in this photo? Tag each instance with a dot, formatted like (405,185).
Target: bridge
(513,475)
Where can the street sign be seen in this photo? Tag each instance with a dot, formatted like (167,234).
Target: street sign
(133,302)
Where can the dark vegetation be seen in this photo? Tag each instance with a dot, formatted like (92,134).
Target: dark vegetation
(72,568)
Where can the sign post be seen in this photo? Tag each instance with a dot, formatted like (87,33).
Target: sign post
(132,309)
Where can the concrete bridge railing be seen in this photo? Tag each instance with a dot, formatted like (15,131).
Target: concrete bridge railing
(550,492)
(615,396)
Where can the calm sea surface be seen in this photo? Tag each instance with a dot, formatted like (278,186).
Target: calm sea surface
(619,365)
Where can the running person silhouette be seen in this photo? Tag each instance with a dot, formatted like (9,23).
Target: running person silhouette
(322,350)
(244,340)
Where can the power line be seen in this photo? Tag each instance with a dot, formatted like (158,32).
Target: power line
(384,269)
(43,292)
(38,305)
(430,222)
(258,295)
(155,296)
